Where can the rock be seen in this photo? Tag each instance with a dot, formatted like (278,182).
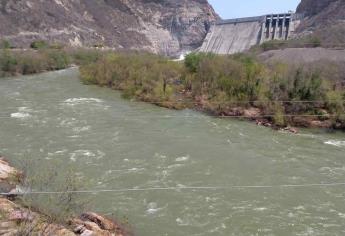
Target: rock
(101,221)
(320,124)
(325,19)
(290,129)
(79,229)
(252,113)
(7,206)
(87,233)
(8,225)
(21,215)
(7,172)
(315,7)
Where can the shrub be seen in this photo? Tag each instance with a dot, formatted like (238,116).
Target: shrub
(40,44)
(278,118)
(8,63)
(85,56)
(5,44)
(57,59)
(192,61)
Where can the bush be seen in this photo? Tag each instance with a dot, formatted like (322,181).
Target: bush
(41,44)
(85,56)
(145,76)
(5,44)
(192,60)
(58,59)
(31,62)
(8,63)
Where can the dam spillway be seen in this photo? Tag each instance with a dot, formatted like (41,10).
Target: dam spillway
(237,35)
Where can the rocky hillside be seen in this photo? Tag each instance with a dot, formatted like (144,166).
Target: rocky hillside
(160,26)
(326,18)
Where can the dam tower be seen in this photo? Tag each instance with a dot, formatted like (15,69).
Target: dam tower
(237,35)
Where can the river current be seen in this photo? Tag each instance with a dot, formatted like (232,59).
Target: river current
(114,143)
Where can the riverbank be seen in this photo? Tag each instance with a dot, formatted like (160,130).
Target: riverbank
(239,86)
(277,95)
(18,219)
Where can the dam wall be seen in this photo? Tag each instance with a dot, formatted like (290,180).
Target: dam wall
(237,35)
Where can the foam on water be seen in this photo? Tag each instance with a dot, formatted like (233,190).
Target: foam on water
(81,129)
(337,143)
(74,156)
(20,115)
(183,158)
(78,101)
(23,113)
(152,208)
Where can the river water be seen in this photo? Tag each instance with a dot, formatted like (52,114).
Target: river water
(114,143)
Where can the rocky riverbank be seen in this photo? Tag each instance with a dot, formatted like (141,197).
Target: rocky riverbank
(16,219)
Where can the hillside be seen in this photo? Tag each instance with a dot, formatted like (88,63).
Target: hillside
(324,18)
(166,27)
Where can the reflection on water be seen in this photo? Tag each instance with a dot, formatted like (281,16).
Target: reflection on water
(113,143)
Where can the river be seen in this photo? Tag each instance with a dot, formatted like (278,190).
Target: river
(114,143)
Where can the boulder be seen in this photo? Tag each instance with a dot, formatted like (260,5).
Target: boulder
(101,221)
(7,172)
(252,113)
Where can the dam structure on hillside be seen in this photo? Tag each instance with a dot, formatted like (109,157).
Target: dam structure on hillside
(237,35)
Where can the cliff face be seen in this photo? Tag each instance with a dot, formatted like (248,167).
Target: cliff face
(160,26)
(321,13)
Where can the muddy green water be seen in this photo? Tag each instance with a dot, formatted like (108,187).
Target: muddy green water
(114,143)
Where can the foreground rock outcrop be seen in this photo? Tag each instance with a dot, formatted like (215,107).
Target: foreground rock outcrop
(16,219)
(167,26)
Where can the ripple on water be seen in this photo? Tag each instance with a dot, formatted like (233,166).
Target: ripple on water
(74,156)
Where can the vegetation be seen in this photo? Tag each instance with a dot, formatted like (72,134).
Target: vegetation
(24,62)
(30,62)
(48,209)
(224,85)
(39,44)
(5,44)
(144,76)
(310,41)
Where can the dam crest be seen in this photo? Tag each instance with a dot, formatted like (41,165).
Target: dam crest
(237,35)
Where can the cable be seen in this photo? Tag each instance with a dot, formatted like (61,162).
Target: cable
(196,188)
(211,116)
(77,102)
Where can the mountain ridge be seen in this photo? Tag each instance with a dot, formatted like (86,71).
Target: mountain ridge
(167,27)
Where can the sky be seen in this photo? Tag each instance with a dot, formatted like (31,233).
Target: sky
(228,9)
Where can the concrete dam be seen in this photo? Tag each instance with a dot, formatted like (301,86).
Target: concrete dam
(237,35)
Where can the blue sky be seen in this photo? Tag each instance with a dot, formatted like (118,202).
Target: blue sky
(242,8)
